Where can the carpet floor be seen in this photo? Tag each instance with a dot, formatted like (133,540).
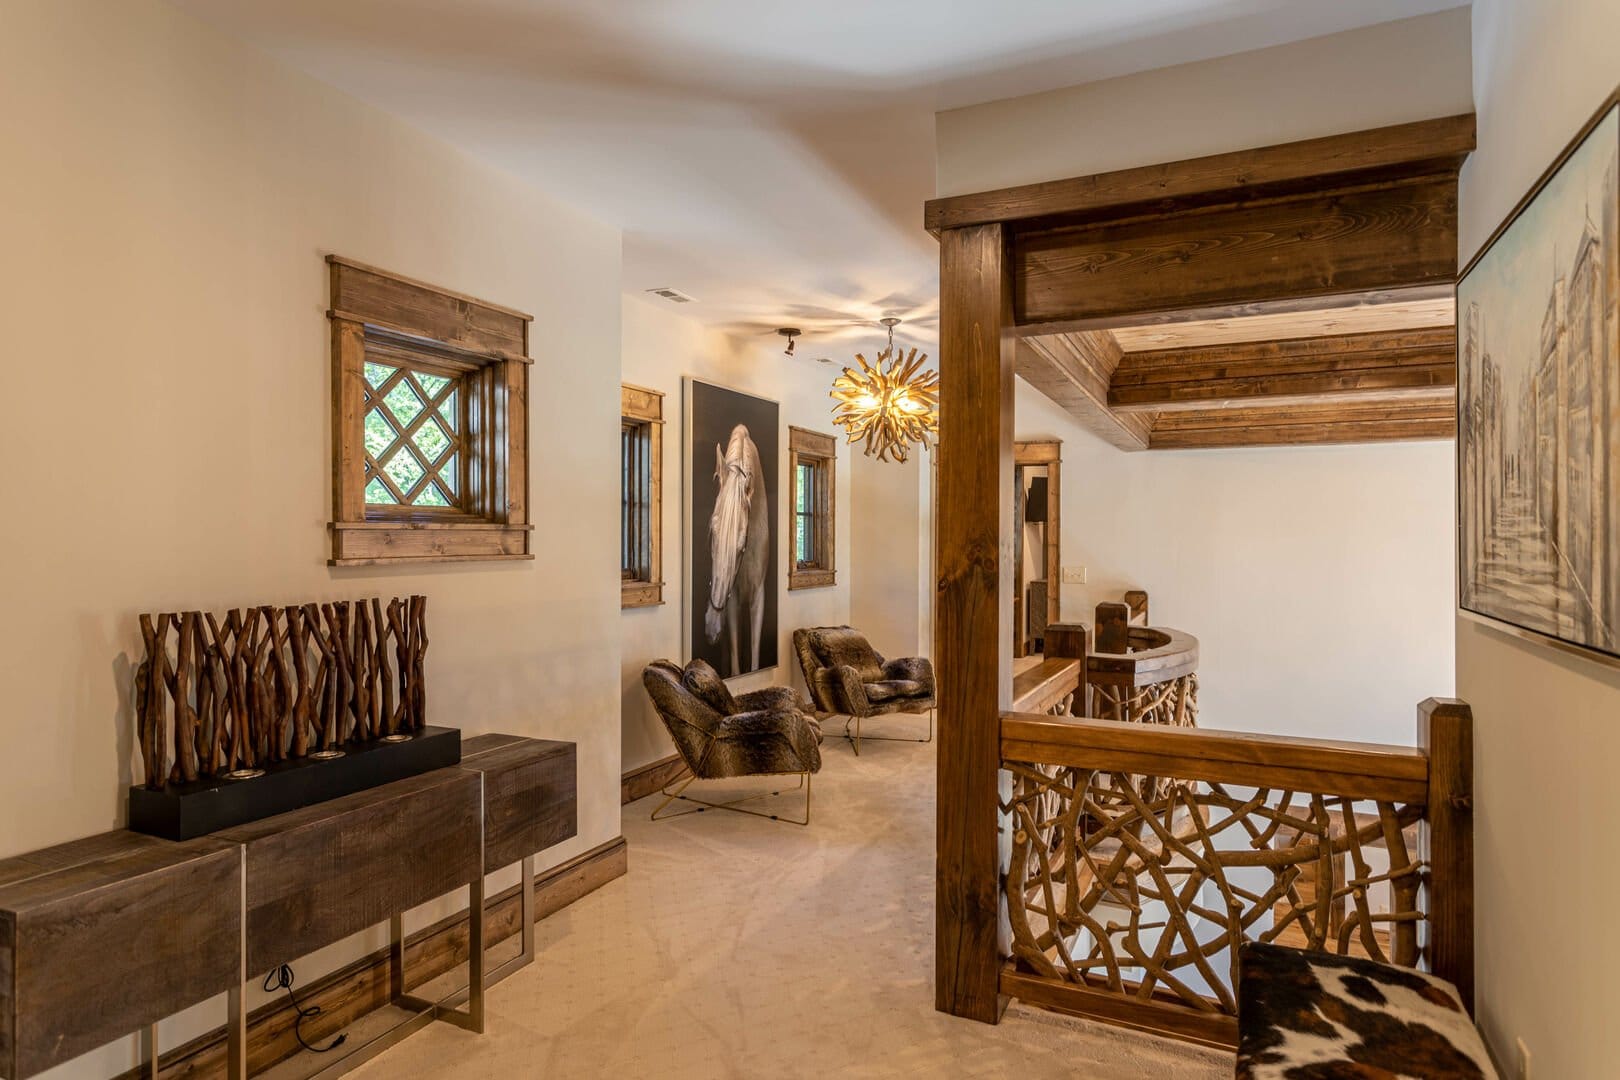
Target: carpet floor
(744,948)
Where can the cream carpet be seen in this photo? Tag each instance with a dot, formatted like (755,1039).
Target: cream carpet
(743,948)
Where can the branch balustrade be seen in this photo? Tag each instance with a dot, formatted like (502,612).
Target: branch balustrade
(1143,854)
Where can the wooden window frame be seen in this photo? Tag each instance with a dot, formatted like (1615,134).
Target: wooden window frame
(643,407)
(812,447)
(398,321)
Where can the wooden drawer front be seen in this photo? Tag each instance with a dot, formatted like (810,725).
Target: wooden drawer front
(318,874)
(530,796)
(108,936)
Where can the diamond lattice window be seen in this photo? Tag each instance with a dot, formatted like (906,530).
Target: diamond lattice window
(429,423)
(413,435)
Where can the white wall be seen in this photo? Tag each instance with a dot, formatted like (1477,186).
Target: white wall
(888,602)
(168,199)
(1547,726)
(1391,73)
(659,347)
(1318,580)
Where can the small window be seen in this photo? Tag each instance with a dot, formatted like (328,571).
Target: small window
(641,439)
(813,460)
(429,425)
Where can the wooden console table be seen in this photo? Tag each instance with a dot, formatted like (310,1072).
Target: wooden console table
(317,875)
(531,802)
(105,936)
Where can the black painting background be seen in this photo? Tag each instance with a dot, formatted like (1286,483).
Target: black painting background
(715,411)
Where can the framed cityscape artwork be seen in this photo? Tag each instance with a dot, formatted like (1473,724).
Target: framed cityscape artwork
(1538,410)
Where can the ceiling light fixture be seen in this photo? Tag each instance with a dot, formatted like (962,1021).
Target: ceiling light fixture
(889,408)
(789,332)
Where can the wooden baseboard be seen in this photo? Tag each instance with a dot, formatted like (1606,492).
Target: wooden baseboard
(351,992)
(641,782)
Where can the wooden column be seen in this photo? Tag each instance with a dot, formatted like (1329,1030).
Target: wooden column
(1446,842)
(972,613)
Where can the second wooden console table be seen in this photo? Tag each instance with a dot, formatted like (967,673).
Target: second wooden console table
(317,875)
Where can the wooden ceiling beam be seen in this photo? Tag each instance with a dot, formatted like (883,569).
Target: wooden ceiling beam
(1427,146)
(1378,243)
(1326,423)
(1401,364)
(1074,370)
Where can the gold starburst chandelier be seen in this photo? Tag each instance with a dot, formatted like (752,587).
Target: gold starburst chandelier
(889,407)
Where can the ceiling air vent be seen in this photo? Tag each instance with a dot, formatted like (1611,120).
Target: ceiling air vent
(674,296)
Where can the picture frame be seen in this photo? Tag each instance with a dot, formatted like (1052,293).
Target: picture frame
(1538,416)
(731,599)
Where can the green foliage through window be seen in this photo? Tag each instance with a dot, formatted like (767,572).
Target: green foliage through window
(412,437)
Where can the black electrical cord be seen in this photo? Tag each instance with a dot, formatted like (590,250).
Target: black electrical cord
(282,979)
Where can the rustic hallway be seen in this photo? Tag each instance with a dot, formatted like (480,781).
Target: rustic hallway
(742,948)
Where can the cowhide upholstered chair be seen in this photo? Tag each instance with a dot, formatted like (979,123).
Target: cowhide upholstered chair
(719,736)
(849,678)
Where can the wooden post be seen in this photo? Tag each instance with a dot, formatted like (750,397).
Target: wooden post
(1113,628)
(973,614)
(1445,733)
(1072,641)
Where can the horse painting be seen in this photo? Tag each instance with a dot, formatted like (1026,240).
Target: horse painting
(739,547)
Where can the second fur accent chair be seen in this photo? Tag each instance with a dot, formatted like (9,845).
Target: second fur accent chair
(719,736)
(848,677)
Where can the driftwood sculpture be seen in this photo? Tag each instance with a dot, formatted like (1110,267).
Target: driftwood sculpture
(270,684)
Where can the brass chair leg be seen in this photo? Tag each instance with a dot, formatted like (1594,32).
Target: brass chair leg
(732,805)
(856,739)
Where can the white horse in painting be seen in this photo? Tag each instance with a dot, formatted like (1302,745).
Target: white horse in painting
(739,543)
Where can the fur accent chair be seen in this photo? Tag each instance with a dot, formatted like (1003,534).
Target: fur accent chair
(721,736)
(848,677)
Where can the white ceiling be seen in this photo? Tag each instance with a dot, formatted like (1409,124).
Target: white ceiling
(771,159)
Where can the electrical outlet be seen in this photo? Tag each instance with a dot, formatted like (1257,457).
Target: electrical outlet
(1524,1059)
(1074,575)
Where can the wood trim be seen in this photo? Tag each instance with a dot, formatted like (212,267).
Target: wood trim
(1047,452)
(642,781)
(642,405)
(1357,770)
(1445,732)
(1282,308)
(1322,243)
(972,613)
(1047,684)
(374,543)
(1075,371)
(485,347)
(346,995)
(1161,1015)
(1037,451)
(1297,425)
(1425,146)
(355,264)
(823,449)
(1405,363)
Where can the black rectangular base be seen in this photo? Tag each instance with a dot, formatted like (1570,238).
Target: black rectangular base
(184,811)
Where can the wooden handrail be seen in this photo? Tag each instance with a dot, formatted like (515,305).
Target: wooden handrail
(1354,770)
(1147,818)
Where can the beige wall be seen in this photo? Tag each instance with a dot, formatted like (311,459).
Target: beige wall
(661,346)
(1318,580)
(169,196)
(1547,726)
(1386,74)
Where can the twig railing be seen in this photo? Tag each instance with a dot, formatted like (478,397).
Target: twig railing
(1142,856)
